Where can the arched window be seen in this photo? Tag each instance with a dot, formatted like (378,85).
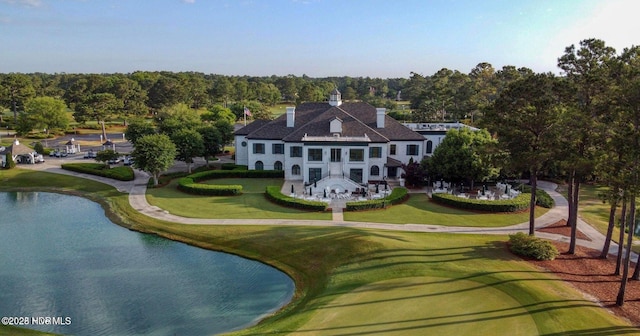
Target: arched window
(277,165)
(429,147)
(375,171)
(259,165)
(295,170)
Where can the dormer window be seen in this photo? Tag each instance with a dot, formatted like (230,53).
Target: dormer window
(335,127)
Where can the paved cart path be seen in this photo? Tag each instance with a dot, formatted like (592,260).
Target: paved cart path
(137,198)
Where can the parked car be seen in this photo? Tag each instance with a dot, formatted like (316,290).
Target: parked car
(90,154)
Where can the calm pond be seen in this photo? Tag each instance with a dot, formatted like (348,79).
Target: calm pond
(61,257)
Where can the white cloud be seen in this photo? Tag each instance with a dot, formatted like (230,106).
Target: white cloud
(189,1)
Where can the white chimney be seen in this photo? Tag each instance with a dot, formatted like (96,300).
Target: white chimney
(291,116)
(380,113)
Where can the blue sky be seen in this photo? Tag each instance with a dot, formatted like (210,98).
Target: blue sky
(314,37)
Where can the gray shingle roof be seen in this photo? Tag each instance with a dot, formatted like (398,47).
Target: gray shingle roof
(313,119)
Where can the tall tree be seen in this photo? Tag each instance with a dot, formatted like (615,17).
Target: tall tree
(99,107)
(483,77)
(176,117)
(154,154)
(166,91)
(588,70)
(218,112)
(463,156)
(138,128)
(16,90)
(189,145)
(526,118)
(211,141)
(47,113)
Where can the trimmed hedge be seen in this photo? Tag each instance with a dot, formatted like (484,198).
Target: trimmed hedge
(532,247)
(398,195)
(216,174)
(273,193)
(542,197)
(521,202)
(189,184)
(233,166)
(117,173)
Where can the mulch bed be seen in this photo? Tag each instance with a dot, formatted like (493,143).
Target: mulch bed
(594,277)
(560,227)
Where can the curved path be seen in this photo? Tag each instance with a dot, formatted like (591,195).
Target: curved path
(137,198)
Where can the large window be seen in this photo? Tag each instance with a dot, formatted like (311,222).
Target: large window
(375,152)
(277,148)
(259,165)
(295,151)
(315,174)
(412,150)
(315,154)
(277,165)
(429,147)
(295,170)
(392,149)
(356,154)
(258,148)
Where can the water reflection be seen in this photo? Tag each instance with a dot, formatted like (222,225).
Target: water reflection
(60,256)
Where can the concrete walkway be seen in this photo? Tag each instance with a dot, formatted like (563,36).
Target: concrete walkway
(137,198)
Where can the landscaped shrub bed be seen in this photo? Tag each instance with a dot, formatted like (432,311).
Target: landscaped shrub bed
(532,247)
(273,193)
(189,184)
(519,203)
(542,197)
(99,169)
(398,195)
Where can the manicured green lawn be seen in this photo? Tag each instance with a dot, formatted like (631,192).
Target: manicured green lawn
(420,210)
(368,282)
(251,204)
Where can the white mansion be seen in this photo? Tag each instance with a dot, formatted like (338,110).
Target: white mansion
(315,141)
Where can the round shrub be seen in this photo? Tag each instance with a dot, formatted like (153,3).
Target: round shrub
(532,247)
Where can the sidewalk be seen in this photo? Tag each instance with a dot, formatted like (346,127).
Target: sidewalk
(137,198)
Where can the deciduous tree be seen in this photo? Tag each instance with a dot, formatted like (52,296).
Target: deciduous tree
(154,154)
(189,145)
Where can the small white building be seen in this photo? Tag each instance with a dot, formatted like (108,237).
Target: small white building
(19,153)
